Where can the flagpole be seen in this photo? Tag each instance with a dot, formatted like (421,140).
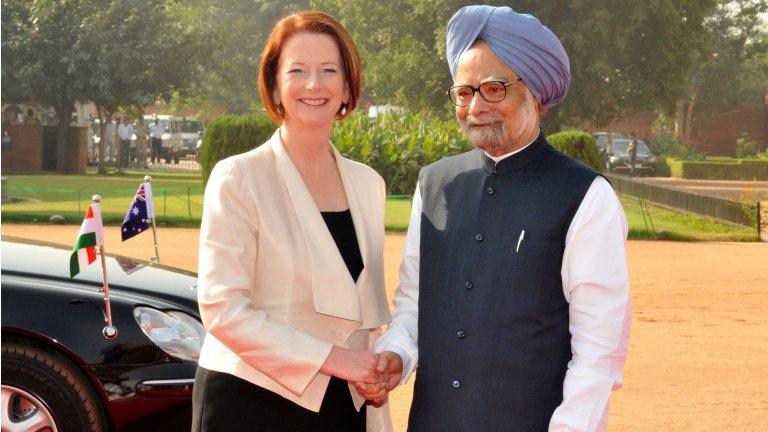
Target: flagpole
(155,259)
(110,331)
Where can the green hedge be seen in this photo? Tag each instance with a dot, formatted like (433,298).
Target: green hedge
(578,145)
(719,169)
(229,135)
(397,146)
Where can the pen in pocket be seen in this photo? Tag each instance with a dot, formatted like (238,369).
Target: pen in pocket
(520,240)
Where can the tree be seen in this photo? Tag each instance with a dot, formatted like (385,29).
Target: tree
(731,67)
(238,30)
(44,58)
(624,55)
(143,53)
(117,53)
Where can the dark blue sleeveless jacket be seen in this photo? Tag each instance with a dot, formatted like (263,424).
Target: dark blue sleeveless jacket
(493,321)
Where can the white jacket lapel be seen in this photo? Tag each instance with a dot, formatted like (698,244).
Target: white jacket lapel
(333,290)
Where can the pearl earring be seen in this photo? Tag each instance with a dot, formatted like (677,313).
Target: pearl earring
(343,109)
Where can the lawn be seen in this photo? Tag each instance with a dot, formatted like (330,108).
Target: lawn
(178,199)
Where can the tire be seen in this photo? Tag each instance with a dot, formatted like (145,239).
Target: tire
(55,388)
(176,160)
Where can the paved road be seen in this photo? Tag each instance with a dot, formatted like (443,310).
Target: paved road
(746,191)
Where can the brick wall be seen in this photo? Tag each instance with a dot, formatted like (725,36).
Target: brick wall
(716,134)
(25,155)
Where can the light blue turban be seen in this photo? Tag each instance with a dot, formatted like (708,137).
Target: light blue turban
(521,41)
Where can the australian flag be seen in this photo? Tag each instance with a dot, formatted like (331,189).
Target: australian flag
(140,214)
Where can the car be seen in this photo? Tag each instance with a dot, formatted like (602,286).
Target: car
(60,373)
(602,138)
(191,134)
(616,157)
(173,142)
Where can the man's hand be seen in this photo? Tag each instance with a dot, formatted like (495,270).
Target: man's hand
(389,369)
(351,365)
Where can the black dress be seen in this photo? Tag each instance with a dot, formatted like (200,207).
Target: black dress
(224,402)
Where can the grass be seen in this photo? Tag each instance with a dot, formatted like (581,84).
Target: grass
(178,201)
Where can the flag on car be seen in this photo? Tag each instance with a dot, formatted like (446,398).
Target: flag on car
(140,213)
(91,235)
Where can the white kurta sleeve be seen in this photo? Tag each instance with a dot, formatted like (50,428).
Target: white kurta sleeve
(401,336)
(595,283)
(227,261)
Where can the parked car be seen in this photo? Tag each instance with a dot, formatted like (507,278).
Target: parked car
(60,374)
(616,157)
(173,142)
(602,138)
(191,134)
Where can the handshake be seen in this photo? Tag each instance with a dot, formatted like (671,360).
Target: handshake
(373,375)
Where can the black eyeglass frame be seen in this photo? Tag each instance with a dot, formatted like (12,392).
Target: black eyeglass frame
(477,90)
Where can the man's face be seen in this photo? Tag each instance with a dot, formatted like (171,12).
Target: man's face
(496,127)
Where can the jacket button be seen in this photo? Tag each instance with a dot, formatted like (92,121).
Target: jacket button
(461,334)
(456,384)
(468,285)
(490,190)
(478,237)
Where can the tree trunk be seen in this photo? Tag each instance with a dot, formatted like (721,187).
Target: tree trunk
(689,115)
(679,119)
(64,149)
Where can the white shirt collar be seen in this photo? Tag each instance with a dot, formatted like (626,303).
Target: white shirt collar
(497,159)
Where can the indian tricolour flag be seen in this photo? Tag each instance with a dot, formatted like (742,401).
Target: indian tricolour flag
(91,235)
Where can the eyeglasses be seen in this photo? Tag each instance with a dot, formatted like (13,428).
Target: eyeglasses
(490,91)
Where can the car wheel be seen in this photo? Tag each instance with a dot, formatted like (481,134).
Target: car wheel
(43,391)
(176,160)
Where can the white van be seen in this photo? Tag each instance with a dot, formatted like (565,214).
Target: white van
(172,136)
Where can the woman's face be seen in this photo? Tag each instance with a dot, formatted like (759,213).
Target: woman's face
(310,80)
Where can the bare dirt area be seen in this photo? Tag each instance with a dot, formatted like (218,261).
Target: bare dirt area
(699,345)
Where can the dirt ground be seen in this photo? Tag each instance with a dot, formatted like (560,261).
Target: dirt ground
(699,348)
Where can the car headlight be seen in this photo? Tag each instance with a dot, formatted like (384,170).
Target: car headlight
(615,159)
(176,333)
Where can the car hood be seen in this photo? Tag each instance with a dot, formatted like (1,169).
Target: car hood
(49,261)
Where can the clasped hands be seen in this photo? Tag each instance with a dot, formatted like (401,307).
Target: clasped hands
(373,375)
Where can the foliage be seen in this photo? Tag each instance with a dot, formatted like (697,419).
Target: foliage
(238,29)
(397,146)
(116,53)
(638,59)
(579,145)
(720,169)
(732,66)
(665,143)
(229,135)
(746,147)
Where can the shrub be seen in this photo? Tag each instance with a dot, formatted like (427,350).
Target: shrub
(229,135)
(579,145)
(746,147)
(719,169)
(397,145)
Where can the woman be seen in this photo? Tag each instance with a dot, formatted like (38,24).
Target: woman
(291,283)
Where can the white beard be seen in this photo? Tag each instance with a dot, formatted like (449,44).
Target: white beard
(504,133)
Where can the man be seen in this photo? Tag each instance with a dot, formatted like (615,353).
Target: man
(109,138)
(514,277)
(156,135)
(125,133)
(142,132)
(632,150)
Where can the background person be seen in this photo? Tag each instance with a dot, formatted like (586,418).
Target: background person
(291,254)
(156,136)
(125,133)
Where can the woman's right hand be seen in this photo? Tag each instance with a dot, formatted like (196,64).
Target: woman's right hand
(351,365)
